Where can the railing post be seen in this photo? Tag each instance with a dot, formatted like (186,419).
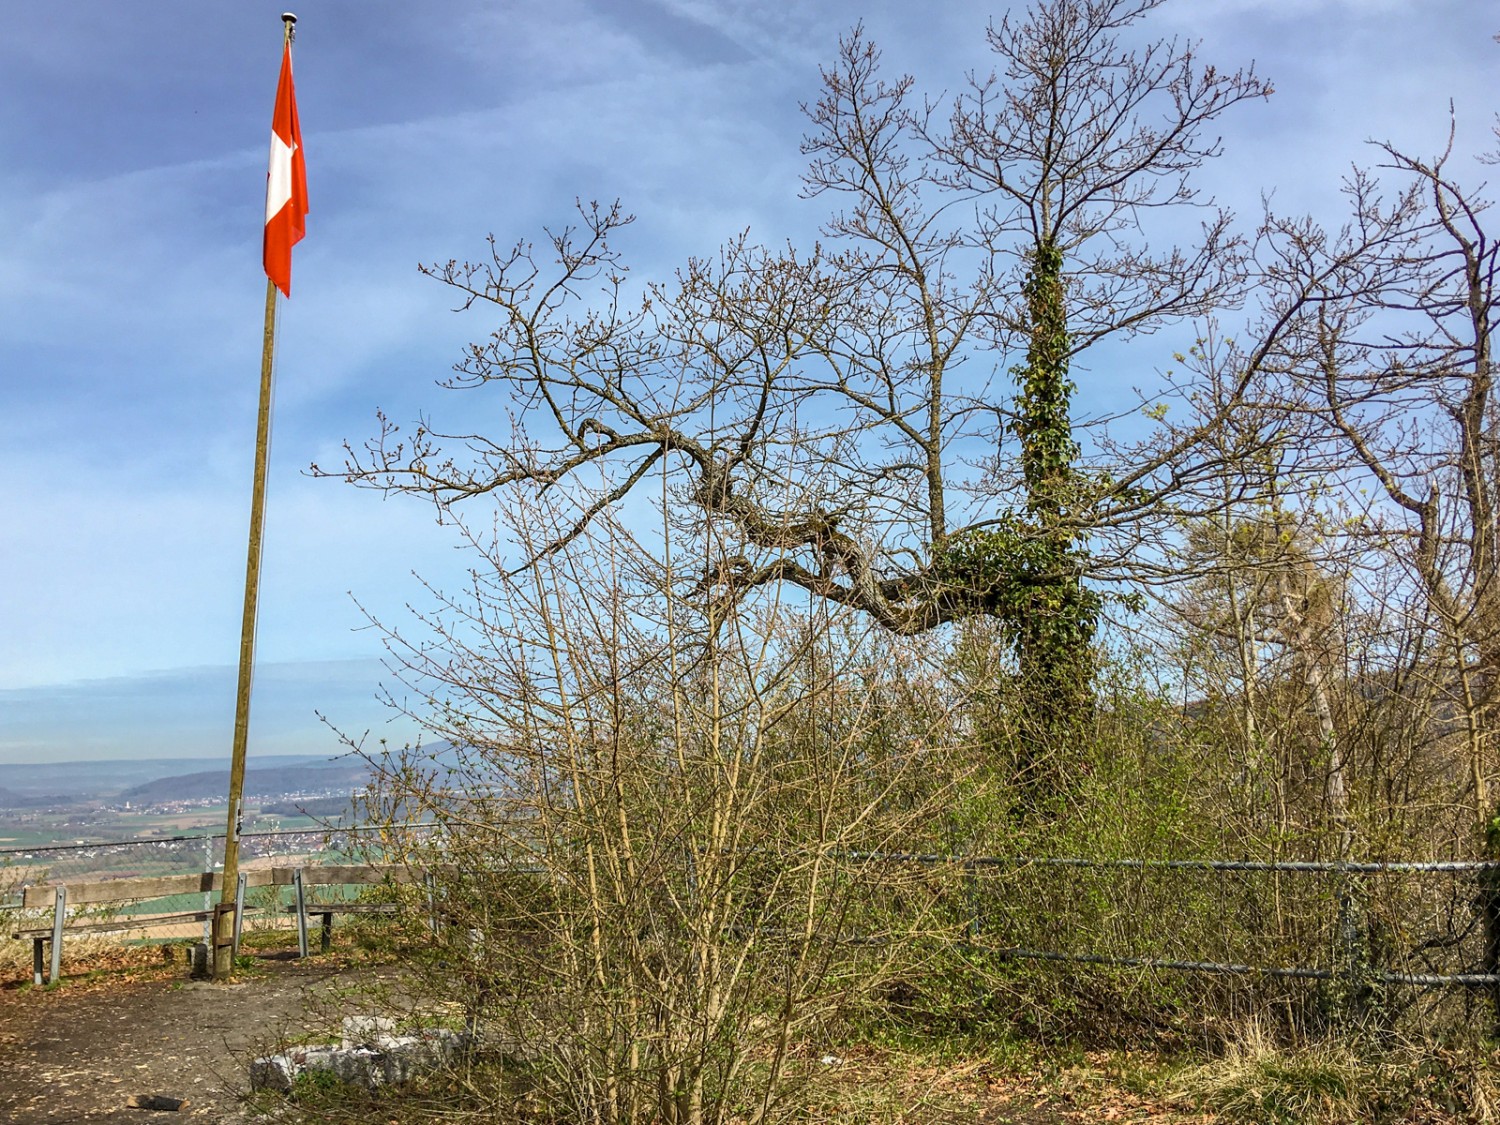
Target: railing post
(59,915)
(209,937)
(1352,968)
(239,910)
(429,881)
(971,892)
(301,912)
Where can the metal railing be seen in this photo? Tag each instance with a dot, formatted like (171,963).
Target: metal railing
(1402,940)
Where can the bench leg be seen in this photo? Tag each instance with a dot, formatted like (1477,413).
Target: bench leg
(326,938)
(37,959)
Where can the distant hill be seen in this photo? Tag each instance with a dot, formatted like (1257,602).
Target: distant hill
(105,778)
(30,784)
(343,777)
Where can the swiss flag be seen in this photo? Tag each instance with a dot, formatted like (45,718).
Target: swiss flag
(286,185)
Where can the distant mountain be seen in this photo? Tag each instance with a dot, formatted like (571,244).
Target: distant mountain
(146,780)
(343,777)
(82,781)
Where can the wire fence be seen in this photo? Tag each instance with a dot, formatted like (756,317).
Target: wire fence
(1402,940)
(1408,943)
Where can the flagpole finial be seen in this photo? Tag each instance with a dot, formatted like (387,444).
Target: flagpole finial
(290,20)
(289,17)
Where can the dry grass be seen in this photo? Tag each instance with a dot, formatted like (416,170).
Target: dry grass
(851,1085)
(84,953)
(1260,1080)
(904,1086)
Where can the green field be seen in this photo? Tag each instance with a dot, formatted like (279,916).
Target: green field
(28,837)
(64,829)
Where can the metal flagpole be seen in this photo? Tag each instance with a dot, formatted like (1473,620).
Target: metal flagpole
(224,923)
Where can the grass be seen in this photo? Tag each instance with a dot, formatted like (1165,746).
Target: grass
(1258,1080)
(1255,1080)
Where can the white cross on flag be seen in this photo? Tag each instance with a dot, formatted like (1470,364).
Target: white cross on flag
(286,184)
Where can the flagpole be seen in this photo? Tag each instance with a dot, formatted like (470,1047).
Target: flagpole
(223,952)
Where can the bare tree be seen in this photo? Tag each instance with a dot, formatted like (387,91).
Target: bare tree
(1266,619)
(843,408)
(1400,370)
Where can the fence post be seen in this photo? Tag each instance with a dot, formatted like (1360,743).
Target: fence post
(429,881)
(1351,982)
(1489,910)
(208,896)
(971,889)
(59,915)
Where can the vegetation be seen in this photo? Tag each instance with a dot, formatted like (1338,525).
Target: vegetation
(805,586)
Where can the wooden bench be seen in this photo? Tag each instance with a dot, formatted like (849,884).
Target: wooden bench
(41,935)
(324,912)
(304,877)
(62,897)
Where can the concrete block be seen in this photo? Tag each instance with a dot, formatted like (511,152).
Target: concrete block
(272,1072)
(388,1059)
(363,1031)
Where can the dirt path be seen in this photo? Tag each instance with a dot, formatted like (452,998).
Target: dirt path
(78,1053)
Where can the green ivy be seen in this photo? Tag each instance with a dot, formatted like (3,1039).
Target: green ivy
(1054,629)
(1027,568)
(1044,424)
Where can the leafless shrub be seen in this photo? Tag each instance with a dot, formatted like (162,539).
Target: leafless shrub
(662,821)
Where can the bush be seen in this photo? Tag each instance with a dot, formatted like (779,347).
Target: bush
(666,829)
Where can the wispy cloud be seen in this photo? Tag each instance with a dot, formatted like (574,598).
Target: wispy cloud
(189,712)
(131,205)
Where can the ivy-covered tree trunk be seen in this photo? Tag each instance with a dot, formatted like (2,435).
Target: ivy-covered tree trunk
(1053,630)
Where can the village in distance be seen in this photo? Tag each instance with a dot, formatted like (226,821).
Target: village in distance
(72,803)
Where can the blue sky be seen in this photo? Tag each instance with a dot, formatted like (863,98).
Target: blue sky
(131,203)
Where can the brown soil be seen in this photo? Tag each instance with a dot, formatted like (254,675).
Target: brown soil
(80,1052)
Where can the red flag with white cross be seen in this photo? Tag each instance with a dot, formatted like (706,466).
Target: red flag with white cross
(286,184)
